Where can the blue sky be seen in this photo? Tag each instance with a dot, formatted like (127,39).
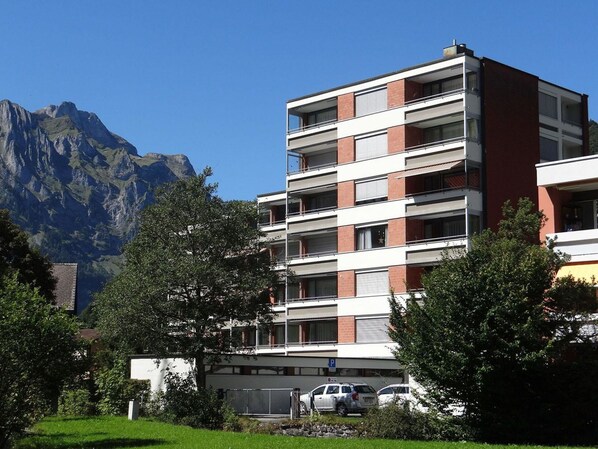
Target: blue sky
(210,79)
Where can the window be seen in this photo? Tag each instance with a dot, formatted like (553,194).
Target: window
(443,132)
(321,244)
(473,129)
(370,330)
(320,202)
(549,149)
(322,116)
(372,237)
(321,331)
(372,283)
(318,391)
(370,102)
(332,389)
(371,191)
(547,105)
(472,81)
(324,287)
(441,86)
(444,227)
(371,146)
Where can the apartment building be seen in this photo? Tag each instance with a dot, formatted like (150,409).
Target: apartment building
(386,173)
(382,176)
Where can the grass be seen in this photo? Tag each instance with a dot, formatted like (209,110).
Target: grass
(118,432)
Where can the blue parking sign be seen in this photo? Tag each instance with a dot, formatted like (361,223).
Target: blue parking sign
(331,363)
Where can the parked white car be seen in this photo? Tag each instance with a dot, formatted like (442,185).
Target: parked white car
(394,393)
(341,398)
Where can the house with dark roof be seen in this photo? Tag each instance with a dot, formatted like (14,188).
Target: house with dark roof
(66,286)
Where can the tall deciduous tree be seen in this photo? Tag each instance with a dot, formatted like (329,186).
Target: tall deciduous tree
(497,333)
(37,354)
(16,256)
(196,269)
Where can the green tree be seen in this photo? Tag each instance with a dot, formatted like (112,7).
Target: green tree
(16,256)
(197,267)
(37,353)
(497,334)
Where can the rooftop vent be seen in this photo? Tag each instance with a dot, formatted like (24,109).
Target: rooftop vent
(456,49)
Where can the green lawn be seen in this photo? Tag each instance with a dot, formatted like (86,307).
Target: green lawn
(113,433)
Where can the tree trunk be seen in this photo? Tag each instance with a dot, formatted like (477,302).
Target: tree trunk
(200,371)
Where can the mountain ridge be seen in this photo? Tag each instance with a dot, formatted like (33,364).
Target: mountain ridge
(75,186)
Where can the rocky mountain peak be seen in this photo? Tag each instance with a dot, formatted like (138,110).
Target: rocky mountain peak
(75,186)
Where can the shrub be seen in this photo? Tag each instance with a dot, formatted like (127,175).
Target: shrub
(76,403)
(116,389)
(399,421)
(182,403)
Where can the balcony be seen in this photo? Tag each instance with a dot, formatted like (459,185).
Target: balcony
(312,116)
(442,178)
(313,158)
(314,288)
(312,203)
(427,253)
(451,227)
(315,245)
(319,332)
(581,245)
(439,84)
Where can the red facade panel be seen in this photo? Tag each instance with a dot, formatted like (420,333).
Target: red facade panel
(511,136)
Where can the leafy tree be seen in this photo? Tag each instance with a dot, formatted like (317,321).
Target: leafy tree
(196,268)
(497,334)
(37,352)
(16,256)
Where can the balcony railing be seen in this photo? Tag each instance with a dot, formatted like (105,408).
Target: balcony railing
(312,126)
(439,95)
(312,343)
(311,211)
(295,170)
(310,254)
(438,239)
(313,298)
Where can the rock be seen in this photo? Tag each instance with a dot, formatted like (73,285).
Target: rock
(76,187)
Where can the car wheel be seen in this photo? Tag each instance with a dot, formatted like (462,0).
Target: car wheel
(341,409)
(303,409)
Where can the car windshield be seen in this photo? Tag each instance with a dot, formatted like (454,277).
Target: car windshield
(364,389)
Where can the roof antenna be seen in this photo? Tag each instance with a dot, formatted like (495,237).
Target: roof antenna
(454,41)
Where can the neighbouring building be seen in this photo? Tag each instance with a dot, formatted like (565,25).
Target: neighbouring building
(382,176)
(568,195)
(66,286)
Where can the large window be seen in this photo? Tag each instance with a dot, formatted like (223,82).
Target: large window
(372,237)
(371,190)
(444,227)
(441,86)
(322,116)
(371,330)
(547,105)
(321,244)
(370,102)
(324,287)
(371,146)
(372,283)
(321,331)
(443,132)
(320,202)
(549,149)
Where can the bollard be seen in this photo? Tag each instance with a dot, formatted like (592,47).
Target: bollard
(133,410)
(295,404)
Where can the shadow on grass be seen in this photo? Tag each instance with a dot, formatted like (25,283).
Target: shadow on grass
(54,442)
